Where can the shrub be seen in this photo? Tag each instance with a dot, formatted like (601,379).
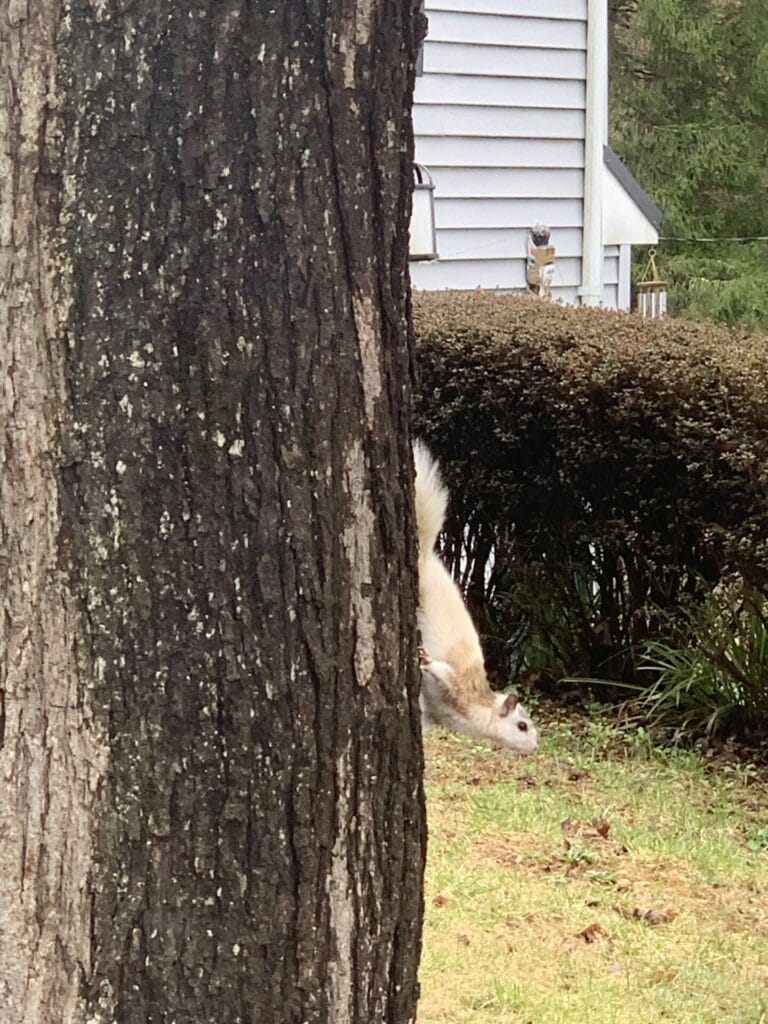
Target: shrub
(603,470)
(715,680)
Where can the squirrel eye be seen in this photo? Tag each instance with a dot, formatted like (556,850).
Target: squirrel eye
(522,726)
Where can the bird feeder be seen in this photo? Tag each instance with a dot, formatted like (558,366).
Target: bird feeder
(652,291)
(423,241)
(540,261)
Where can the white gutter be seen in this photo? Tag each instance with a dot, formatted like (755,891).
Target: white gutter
(591,291)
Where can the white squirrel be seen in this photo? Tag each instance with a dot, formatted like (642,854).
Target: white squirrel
(454,687)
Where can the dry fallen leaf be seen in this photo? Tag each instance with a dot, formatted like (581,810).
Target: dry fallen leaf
(663,976)
(652,917)
(592,932)
(440,901)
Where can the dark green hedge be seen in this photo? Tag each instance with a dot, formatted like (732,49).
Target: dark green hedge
(601,467)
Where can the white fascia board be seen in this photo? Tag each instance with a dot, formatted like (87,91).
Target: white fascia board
(624,223)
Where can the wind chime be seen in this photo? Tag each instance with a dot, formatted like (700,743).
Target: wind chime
(652,291)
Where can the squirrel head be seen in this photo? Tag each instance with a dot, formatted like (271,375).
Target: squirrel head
(511,725)
(499,717)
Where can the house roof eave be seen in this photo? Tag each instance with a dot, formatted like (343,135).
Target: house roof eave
(632,187)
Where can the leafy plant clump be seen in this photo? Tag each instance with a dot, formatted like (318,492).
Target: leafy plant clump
(716,680)
(605,473)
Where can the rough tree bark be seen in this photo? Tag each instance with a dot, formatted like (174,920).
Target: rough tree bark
(211,805)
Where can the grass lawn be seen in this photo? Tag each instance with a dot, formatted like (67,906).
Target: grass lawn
(600,881)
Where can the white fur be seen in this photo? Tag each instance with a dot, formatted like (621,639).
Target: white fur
(454,689)
(431,498)
(512,730)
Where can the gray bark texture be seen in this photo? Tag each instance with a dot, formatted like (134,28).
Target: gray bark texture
(211,807)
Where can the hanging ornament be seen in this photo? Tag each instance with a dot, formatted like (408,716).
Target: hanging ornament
(652,291)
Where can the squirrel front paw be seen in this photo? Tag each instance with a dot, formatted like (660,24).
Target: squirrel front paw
(436,673)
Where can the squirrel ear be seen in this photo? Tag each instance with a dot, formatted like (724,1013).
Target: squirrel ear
(510,703)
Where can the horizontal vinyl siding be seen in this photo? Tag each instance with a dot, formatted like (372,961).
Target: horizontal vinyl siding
(502,243)
(465,271)
(503,61)
(485,91)
(611,270)
(488,274)
(499,122)
(504,273)
(625,276)
(508,213)
(611,276)
(452,151)
(570,10)
(509,182)
(487,29)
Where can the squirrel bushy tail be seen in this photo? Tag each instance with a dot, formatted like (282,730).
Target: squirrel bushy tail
(431,499)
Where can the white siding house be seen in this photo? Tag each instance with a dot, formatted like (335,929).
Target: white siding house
(510,118)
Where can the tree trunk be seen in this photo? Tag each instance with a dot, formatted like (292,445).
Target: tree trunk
(211,805)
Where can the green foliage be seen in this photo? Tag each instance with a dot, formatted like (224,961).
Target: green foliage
(555,618)
(690,110)
(715,679)
(728,284)
(690,116)
(758,838)
(603,469)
